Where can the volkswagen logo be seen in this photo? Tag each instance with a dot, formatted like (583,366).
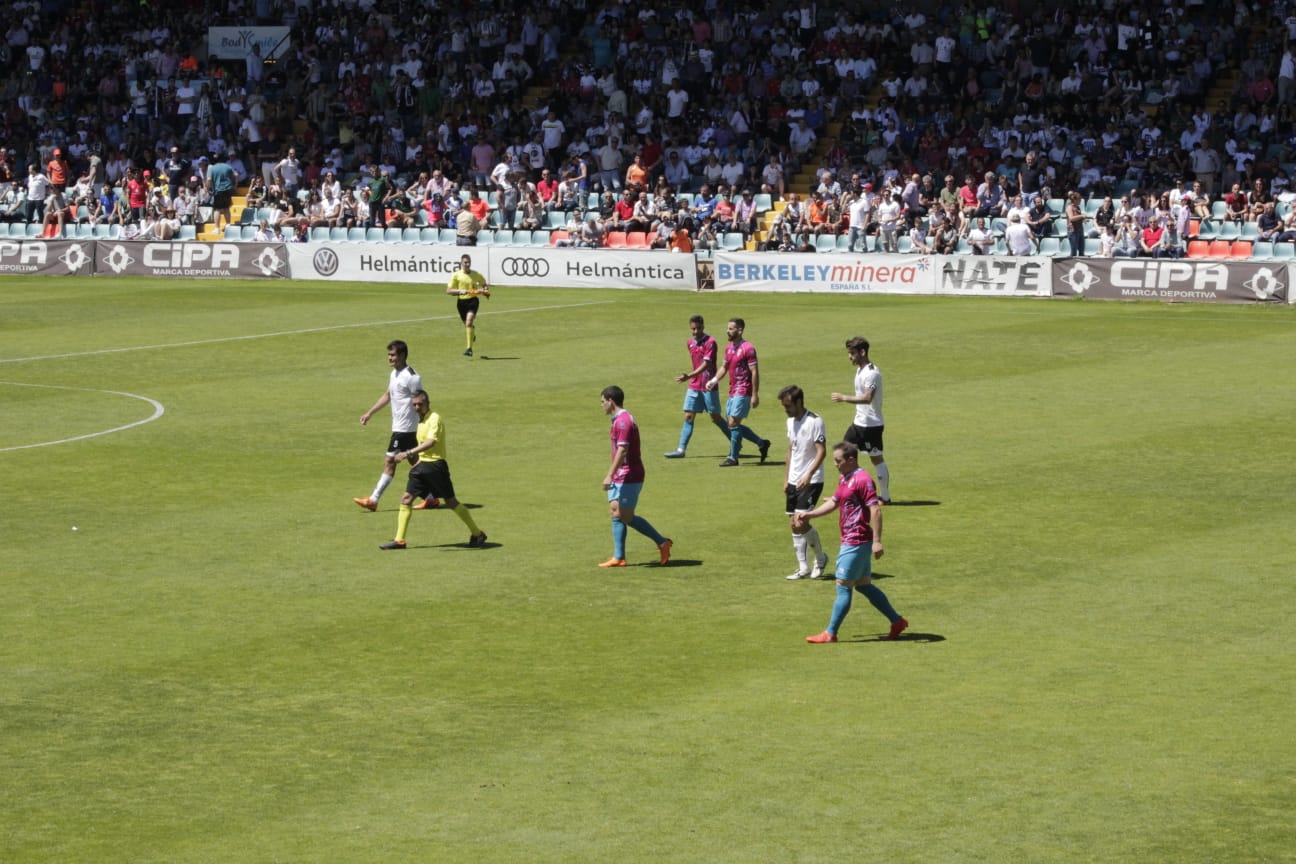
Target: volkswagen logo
(326,262)
(524,267)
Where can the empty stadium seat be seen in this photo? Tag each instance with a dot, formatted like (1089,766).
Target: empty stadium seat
(1242,248)
(555,236)
(1199,248)
(637,239)
(1261,250)
(616,240)
(1220,248)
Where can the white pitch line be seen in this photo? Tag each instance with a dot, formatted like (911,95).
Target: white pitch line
(286,333)
(158,411)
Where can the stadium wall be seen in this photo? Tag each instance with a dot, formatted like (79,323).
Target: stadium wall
(1169,280)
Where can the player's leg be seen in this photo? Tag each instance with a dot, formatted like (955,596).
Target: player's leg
(762,444)
(878,598)
(711,402)
(618,528)
(735,410)
(873,447)
(403,517)
(442,486)
(644,527)
(686,429)
(414,488)
(793,501)
(848,567)
(399,441)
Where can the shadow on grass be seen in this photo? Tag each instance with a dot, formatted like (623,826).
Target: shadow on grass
(484,357)
(895,503)
(457,545)
(674,562)
(907,636)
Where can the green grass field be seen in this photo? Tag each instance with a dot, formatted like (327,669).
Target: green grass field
(1093,545)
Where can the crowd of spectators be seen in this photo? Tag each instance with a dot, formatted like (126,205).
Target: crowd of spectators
(676,120)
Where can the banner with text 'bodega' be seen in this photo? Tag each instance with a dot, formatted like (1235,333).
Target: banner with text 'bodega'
(836,273)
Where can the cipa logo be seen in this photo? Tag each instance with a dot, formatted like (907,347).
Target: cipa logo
(224,256)
(1172,274)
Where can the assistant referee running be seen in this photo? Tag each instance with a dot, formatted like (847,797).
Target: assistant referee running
(468,285)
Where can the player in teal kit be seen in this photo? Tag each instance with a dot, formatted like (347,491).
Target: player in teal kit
(861,542)
(624,481)
(744,391)
(702,350)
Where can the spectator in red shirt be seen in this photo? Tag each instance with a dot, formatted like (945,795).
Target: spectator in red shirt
(547,189)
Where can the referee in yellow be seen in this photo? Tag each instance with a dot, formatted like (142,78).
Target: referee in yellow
(430,476)
(468,285)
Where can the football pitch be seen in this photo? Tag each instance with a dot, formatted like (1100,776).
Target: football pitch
(205,656)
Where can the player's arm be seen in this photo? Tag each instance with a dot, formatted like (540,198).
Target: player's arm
(479,285)
(755,376)
(820,452)
(801,517)
(383,401)
(701,367)
(412,453)
(858,399)
(718,377)
(875,522)
(453,287)
(618,459)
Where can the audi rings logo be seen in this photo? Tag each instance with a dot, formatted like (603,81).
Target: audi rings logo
(325,262)
(535,267)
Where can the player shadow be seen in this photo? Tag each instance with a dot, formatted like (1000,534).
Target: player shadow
(907,636)
(895,503)
(674,562)
(448,510)
(484,357)
(463,544)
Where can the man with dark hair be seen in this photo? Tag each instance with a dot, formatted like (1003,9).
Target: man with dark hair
(403,383)
(744,391)
(702,350)
(468,285)
(624,481)
(430,477)
(861,542)
(805,478)
(866,431)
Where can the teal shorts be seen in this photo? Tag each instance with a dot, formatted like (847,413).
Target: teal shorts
(625,494)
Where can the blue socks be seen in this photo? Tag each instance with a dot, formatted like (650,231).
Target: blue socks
(875,595)
(618,538)
(686,432)
(840,608)
(641,525)
(879,600)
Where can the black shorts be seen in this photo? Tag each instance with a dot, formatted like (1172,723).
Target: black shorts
(402,441)
(222,200)
(466,305)
(867,438)
(430,480)
(802,499)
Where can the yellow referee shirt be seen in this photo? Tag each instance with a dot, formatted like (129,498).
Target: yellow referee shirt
(471,281)
(431,427)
